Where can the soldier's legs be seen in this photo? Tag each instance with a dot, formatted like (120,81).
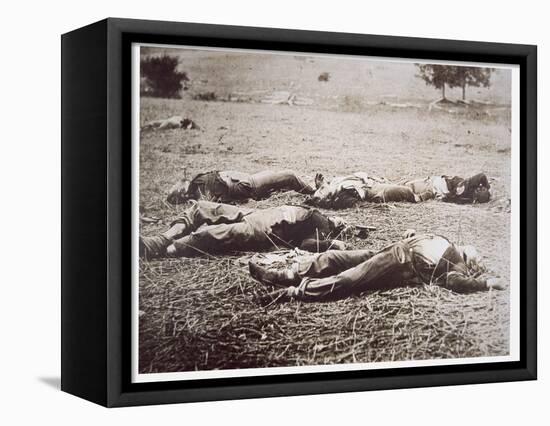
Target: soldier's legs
(215,239)
(286,180)
(332,262)
(384,193)
(385,269)
(313,266)
(200,213)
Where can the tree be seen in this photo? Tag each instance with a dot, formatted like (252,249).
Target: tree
(441,76)
(160,77)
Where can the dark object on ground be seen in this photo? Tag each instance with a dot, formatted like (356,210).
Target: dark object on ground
(325,76)
(187,124)
(206,96)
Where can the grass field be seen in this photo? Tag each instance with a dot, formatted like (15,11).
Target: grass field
(202,314)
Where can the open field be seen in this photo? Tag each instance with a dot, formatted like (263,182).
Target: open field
(202,313)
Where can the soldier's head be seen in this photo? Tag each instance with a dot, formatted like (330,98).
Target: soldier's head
(322,191)
(481,195)
(178,193)
(332,196)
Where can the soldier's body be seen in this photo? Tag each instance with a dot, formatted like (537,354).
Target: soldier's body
(423,259)
(229,186)
(341,192)
(212,228)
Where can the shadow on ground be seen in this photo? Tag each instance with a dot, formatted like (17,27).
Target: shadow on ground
(54,382)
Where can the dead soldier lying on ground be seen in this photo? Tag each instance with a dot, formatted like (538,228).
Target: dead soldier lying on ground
(213,228)
(336,274)
(175,122)
(228,186)
(345,191)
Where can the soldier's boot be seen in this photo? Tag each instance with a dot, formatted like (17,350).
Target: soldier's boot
(153,247)
(271,276)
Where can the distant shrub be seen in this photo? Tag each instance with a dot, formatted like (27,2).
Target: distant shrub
(324,76)
(160,77)
(193,149)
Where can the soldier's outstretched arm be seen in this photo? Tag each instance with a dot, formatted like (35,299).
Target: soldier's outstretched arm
(460,283)
(318,246)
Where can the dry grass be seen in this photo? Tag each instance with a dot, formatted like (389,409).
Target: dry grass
(205,316)
(202,313)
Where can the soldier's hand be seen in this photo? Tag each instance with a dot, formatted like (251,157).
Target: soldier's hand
(338,245)
(319,179)
(409,233)
(495,284)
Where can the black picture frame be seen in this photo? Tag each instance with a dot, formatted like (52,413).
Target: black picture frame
(96,178)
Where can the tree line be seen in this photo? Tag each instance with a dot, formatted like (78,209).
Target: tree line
(441,76)
(160,77)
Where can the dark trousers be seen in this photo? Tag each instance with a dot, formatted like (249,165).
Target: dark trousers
(353,272)
(390,192)
(262,184)
(233,228)
(225,230)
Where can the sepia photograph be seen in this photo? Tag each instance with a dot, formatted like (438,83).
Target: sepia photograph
(297,212)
